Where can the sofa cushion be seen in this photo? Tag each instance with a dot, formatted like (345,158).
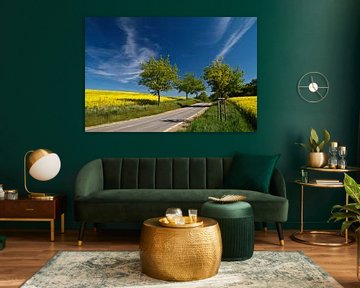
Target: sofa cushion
(251,172)
(266,207)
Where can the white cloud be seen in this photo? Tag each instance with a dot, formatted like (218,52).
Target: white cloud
(123,64)
(127,25)
(99,72)
(216,31)
(236,36)
(222,23)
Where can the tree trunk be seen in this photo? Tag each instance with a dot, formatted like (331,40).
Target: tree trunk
(158,93)
(186,97)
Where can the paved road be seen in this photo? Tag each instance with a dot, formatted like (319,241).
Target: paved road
(163,122)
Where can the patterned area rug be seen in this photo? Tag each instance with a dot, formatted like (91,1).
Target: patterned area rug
(122,269)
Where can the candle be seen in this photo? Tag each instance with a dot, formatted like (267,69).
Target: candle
(333,144)
(342,149)
(342,154)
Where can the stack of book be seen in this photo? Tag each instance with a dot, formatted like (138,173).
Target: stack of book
(327,181)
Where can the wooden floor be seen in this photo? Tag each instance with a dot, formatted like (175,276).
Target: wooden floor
(28,250)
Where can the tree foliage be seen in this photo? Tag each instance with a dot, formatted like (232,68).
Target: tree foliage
(202,97)
(190,85)
(223,80)
(249,89)
(158,75)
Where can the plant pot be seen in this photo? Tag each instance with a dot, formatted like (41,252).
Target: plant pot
(317,159)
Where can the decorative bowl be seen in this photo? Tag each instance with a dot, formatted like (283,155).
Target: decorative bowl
(228,198)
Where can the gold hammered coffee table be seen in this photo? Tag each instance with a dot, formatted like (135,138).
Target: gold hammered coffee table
(180,254)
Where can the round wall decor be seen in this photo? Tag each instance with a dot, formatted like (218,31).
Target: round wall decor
(313,87)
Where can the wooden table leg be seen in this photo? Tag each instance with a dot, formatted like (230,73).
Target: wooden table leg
(63,223)
(52,230)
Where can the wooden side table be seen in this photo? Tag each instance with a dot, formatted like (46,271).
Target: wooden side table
(26,209)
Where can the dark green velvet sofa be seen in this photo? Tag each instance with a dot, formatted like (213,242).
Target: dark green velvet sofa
(130,190)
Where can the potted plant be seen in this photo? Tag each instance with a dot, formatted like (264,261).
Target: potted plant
(317,157)
(350,214)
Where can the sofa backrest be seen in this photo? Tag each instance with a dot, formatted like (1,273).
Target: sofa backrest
(165,173)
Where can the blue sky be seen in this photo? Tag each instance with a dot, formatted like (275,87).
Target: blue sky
(116,46)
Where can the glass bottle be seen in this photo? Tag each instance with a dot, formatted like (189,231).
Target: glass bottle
(304,176)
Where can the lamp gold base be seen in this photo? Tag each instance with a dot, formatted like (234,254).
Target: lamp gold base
(41,196)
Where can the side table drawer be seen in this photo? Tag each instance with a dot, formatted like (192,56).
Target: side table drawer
(31,209)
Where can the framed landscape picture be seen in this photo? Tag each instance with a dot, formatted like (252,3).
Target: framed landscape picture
(170,74)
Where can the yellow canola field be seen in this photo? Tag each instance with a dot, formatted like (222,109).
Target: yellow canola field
(247,104)
(95,99)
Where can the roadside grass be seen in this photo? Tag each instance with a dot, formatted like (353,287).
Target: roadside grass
(209,122)
(109,114)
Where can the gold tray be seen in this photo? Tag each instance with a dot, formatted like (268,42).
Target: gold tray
(165,222)
(228,198)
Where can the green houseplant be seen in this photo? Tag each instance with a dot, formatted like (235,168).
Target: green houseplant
(317,157)
(350,214)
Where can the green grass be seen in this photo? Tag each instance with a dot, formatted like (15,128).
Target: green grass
(113,114)
(209,122)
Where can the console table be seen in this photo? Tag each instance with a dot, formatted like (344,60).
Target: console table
(27,209)
(297,235)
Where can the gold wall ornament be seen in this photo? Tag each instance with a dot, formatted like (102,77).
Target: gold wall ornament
(180,254)
(313,87)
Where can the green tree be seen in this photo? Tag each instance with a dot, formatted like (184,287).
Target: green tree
(223,80)
(203,97)
(236,83)
(250,89)
(190,85)
(158,75)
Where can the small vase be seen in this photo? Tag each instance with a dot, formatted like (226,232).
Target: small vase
(317,159)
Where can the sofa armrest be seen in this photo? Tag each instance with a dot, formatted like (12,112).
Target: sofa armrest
(89,179)
(277,184)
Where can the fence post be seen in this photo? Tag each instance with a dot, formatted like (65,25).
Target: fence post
(221,109)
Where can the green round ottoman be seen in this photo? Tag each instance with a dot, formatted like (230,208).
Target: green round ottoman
(236,221)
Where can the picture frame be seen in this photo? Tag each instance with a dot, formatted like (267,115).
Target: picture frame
(170,74)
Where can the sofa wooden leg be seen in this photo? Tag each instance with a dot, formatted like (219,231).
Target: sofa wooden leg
(280,233)
(265,227)
(81,233)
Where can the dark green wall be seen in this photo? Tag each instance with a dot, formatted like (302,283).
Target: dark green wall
(42,88)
